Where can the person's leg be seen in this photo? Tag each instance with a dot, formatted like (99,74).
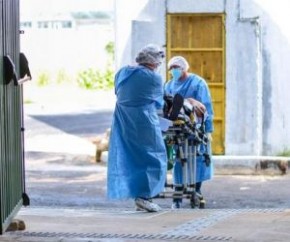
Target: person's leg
(198,187)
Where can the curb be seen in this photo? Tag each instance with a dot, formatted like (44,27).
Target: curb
(255,165)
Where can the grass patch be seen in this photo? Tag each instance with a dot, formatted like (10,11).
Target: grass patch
(285,152)
(28,101)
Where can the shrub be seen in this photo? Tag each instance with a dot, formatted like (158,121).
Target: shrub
(95,79)
(43,79)
(285,152)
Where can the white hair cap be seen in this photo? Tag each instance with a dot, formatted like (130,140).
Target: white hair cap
(150,54)
(178,61)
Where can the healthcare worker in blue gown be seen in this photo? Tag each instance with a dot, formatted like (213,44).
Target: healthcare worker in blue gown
(193,87)
(137,161)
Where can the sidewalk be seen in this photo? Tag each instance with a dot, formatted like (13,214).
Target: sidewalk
(72,225)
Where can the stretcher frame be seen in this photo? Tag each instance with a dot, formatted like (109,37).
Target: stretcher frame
(185,135)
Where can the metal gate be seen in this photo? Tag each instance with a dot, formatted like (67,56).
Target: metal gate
(200,38)
(12,189)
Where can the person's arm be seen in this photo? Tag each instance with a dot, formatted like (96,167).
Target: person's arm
(159,92)
(199,108)
(203,95)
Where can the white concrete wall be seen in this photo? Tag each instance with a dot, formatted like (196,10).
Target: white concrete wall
(258,48)
(138,27)
(276,75)
(125,12)
(243,82)
(275,72)
(257,57)
(195,6)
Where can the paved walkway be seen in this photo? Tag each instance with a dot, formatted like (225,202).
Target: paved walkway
(71,225)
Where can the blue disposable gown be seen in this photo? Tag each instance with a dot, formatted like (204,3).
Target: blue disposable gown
(194,87)
(137,159)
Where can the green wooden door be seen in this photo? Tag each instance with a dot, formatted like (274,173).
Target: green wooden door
(200,38)
(11,136)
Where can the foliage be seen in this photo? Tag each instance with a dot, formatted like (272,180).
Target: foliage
(110,48)
(88,79)
(285,152)
(96,79)
(27,101)
(43,79)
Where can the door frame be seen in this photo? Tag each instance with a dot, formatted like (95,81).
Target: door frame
(211,85)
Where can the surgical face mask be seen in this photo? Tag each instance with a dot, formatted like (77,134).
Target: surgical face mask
(176,73)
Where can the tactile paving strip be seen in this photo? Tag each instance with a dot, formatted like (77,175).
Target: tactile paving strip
(195,226)
(124,236)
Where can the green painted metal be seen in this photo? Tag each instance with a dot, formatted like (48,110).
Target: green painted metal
(11,137)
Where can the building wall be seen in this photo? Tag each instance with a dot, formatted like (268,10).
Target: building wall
(257,54)
(243,82)
(134,29)
(276,75)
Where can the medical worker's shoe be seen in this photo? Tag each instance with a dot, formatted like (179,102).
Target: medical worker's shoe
(147,205)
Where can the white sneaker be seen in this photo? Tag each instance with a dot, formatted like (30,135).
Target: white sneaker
(147,205)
